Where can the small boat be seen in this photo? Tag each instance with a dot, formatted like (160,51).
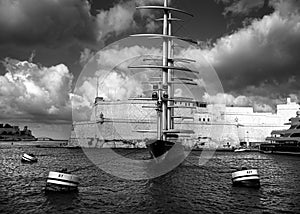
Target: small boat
(62,182)
(266,152)
(29,158)
(241,150)
(246,177)
(284,142)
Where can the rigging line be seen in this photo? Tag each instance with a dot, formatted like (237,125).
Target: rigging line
(102,163)
(138,57)
(182,25)
(194,164)
(158,43)
(146,117)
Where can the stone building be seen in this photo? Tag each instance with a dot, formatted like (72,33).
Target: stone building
(124,121)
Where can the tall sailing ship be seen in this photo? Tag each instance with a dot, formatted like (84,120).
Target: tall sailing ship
(161,118)
(163,86)
(166,106)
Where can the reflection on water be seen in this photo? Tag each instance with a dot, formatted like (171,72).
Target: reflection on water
(246,198)
(64,200)
(189,188)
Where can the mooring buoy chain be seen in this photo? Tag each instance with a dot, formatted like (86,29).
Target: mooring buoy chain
(86,167)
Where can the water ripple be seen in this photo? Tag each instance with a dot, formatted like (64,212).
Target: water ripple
(190,188)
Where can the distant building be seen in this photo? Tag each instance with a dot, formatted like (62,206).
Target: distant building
(225,126)
(9,132)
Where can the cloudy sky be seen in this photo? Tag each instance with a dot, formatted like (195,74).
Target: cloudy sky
(254,46)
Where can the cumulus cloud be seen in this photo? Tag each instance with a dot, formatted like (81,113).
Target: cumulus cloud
(115,80)
(119,86)
(115,86)
(50,24)
(258,64)
(259,103)
(117,19)
(86,55)
(123,17)
(286,8)
(262,58)
(30,91)
(259,60)
(60,30)
(245,7)
(228,99)
(235,7)
(151,2)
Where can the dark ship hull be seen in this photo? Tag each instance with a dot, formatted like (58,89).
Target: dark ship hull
(166,151)
(165,156)
(284,141)
(288,148)
(157,148)
(255,183)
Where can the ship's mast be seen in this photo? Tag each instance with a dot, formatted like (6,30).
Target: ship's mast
(97,94)
(170,74)
(165,90)
(165,76)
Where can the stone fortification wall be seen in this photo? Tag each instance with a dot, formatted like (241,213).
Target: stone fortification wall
(230,125)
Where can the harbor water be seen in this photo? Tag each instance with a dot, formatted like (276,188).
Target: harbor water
(190,188)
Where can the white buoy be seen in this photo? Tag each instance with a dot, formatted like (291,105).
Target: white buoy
(240,150)
(246,177)
(28,158)
(61,181)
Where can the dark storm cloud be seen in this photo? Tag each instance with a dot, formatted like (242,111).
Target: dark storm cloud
(60,30)
(234,7)
(56,30)
(47,22)
(62,34)
(261,60)
(266,52)
(57,22)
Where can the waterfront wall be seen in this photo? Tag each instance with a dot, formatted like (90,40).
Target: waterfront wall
(224,126)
